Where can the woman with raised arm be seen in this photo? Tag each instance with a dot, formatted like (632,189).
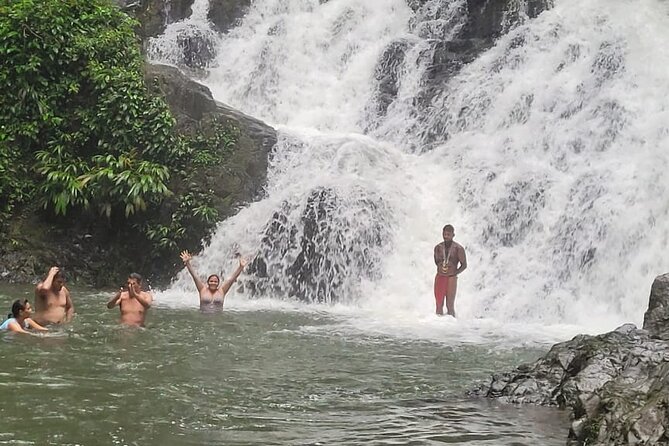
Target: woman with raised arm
(19,320)
(211,294)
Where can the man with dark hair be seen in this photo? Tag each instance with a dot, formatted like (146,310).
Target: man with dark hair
(132,301)
(451,260)
(53,304)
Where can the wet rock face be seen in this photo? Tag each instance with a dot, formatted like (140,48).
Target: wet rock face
(225,14)
(387,75)
(198,49)
(155,15)
(196,42)
(656,319)
(616,384)
(319,251)
(452,35)
(244,172)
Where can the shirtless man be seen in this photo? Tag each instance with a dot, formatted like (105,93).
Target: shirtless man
(450,259)
(211,295)
(53,304)
(133,302)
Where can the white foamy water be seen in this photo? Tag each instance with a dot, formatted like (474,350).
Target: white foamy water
(547,154)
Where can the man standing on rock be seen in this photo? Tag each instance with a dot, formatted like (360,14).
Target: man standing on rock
(451,260)
(53,304)
(133,301)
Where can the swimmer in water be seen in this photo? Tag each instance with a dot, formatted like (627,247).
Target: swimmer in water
(211,294)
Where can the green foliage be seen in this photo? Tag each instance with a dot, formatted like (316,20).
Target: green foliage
(200,146)
(79,131)
(193,209)
(74,109)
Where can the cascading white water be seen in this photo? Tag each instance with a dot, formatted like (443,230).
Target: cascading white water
(546,153)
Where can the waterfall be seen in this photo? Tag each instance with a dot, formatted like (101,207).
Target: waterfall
(545,150)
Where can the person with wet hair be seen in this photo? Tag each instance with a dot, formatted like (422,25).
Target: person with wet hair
(19,320)
(211,294)
(451,260)
(53,303)
(133,301)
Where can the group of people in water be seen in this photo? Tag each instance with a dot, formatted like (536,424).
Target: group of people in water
(53,303)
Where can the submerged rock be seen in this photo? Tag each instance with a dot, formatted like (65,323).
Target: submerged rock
(615,384)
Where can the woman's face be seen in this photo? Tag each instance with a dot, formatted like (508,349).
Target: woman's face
(27,310)
(212,283)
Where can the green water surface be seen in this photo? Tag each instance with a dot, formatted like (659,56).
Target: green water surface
(250,378)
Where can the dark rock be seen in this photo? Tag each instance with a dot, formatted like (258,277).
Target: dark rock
(325,252)
(451,40)
(387,75)
(656,319)
(225,14)
(196,45)
(616,384)
(243,174)
(155,15)
(198,48)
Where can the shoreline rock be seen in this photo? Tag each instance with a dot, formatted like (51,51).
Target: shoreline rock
(616,384)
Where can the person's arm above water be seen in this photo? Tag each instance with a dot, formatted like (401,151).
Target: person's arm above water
(44,286)
(69,307)
(35,326)
(115,300)
(228,283)
(186,258)
(15,327)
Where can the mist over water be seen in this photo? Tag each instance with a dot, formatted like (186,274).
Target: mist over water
(547,154)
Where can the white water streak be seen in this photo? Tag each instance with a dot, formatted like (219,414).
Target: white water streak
(552,172)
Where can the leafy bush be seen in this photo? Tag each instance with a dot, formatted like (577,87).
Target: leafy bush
(78,128)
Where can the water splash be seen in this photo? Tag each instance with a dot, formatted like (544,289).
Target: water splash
(546,152)
(190,44)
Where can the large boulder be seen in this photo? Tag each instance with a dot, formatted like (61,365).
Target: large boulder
(656,319)
(242,176)
(615,384)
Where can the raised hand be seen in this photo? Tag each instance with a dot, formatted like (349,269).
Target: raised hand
(185,256)
(132,289)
